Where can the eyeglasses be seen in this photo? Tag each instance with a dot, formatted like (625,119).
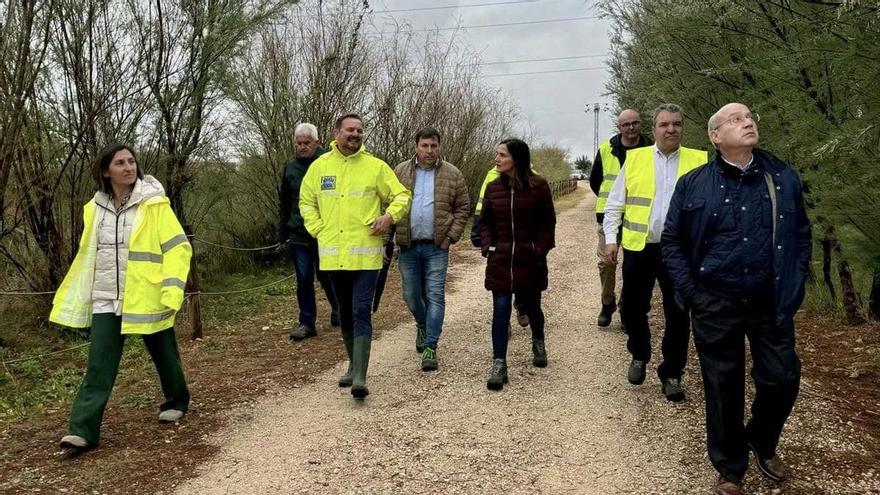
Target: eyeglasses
(632,124)
(739,119)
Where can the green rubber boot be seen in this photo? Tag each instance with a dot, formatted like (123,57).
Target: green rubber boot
(347,337)
(360,363)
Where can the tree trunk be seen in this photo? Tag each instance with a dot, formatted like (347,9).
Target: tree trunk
(874,301)
(828,243)
(851,300)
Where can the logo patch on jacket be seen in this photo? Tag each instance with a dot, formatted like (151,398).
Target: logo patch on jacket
(328,182)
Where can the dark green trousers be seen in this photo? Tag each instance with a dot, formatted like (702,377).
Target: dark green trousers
(106,350)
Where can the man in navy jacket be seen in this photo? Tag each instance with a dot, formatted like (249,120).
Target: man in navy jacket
(737,246)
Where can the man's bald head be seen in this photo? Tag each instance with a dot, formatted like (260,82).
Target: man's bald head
(733,129)
(629,124)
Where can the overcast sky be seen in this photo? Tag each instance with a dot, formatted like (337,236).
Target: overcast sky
(551,103)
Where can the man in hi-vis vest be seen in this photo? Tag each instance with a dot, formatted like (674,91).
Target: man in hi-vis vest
(639,200)
(611,155)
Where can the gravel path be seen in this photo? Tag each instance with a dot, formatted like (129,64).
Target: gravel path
(574,427)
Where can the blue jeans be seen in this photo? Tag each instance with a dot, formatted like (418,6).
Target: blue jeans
(423,277)
(305,262)
(530,302)
(354,291)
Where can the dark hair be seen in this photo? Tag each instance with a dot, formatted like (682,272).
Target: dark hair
(522,161)
(338,124)
(427,133)
(102,164)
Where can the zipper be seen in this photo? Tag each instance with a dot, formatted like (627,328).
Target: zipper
(116,257)
(512,237)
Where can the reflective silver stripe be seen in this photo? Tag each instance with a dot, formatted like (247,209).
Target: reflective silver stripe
(329,193)
(174,282)
(365,250)
(303,208)
(328,250)
(636,201)
(174,241)
(603,194)
(141,318)
(635,227)
(143,256)
(609,177)
(366,193)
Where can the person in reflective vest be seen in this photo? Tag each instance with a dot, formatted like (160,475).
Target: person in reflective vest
(638,202)
(341,199)
(606,165)
(128,278)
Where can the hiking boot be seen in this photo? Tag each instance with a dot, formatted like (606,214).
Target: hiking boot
(334,318)
(771,467)
(604,318)
(170,415)
(539,353)
(522,318)
(724,486)
(301,332)
(636,373)
(360,362)
(348,339)
(429,359)
(672,389)
(74,444)
(421,335)
(498,375)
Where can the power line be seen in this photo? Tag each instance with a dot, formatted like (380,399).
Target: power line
(544,72)
(573,57)
(452,7)
(503,24)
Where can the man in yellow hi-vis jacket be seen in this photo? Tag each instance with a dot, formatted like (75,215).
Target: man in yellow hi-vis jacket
(341,200)
(638,201)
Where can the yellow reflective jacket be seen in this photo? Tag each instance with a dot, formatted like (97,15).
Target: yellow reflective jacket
(640,190)
(340,197)
(155,273)
(610,169)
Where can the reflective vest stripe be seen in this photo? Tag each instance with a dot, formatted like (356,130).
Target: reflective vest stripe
(328,250)
(146,318)
(142,256)
(365,250)
(638,201)
(171,243)
(610,177)
(174,282)
(637,227)
(610,169)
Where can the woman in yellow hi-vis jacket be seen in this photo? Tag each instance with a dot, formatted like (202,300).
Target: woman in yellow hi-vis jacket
(127,278)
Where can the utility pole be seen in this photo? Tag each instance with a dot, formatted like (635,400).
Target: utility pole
(595,108)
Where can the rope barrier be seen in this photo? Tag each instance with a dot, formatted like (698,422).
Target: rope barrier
(200,293)
(38,356)
(262,248)
(24,293)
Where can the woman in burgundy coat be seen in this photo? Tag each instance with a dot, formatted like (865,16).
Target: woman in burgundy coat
(517,228)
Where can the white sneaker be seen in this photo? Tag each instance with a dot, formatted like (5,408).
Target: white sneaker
(170,415)
(73,442)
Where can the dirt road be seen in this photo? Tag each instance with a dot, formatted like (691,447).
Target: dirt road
(576,426)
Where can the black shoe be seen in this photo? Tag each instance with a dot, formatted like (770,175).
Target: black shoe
(334,318)
(636,373)
(498,375)
(672,389)
(604,318)
(301,332)
(429,359)
(771,467)
(522,318)
(539,353)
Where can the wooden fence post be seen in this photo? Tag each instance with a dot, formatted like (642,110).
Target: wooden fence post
(192,287)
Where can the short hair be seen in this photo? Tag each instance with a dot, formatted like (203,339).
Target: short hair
(306,128)
(665,107)
(102,164)
(713,121)
(338,124)
(427,133)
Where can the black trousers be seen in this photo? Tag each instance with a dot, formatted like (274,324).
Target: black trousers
(640,270)
(721,325)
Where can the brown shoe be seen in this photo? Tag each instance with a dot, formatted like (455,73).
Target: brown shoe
(771,467)
(724,486)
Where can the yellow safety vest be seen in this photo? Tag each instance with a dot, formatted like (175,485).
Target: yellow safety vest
(610,169)
(640,189)
(155,273)
(340,197)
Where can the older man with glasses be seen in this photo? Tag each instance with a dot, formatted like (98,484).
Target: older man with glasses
(737,246)
(611,155)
